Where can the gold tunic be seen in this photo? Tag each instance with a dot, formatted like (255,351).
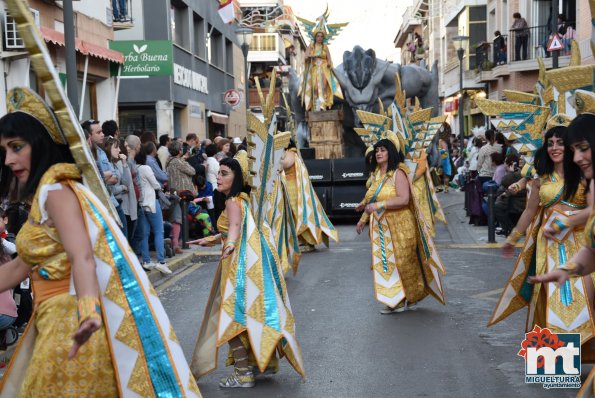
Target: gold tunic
(50,372)
(394,237)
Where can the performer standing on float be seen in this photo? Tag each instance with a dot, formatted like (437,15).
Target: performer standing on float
(405,262)
(319,83)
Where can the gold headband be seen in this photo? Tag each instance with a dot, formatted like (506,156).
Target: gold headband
(584,101)
(558,120)
(23,99)
(242,158)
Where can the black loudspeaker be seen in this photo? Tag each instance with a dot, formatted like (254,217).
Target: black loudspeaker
(322,192)
(349,169)
(319,170)
(308,153)
(345,198)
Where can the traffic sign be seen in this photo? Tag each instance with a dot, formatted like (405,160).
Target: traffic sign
(555,43)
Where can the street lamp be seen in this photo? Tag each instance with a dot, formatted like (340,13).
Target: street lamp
(459,42)
(245,38)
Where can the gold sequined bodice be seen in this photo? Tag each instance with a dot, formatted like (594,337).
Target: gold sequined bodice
(38,244)
(551,192)
(223,221)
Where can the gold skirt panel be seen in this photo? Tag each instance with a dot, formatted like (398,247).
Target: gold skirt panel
(50,373)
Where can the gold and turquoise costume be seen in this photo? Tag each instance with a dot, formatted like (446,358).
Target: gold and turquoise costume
(562,309)
(135,353)
(248,299)
(405,261)
(311,222)
(319,80)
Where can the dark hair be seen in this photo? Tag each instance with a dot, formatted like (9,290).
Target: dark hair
(394,157)
(291,144)
(237,186)
(44,152)
(211,150)
(199,180)
(109,127)
(141,157)
(582,128)
(497,158)
(516,15)
(163,139)
(510,159)
(191,136)
(489,135)
(497,33)
(108,143)
(147,137)
(149,147)
(86,125)
(369,159)
(543,164)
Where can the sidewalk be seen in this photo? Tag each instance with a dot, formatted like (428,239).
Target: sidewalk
(458,231)
(178,263)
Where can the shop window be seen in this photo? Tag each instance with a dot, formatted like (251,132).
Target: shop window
(228,56)
(179,24)
(141,120)
(216,49)
(199,36)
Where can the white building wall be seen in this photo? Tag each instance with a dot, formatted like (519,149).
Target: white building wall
(98,9)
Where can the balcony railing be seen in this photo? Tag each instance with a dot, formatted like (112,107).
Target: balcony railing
(266,47)
(489,55)
(122,14)
(532,42)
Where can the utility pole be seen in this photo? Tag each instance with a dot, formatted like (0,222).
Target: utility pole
(554,30)
(70,47)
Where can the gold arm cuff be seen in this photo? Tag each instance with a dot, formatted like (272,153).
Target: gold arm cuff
(89,307)
(514,236)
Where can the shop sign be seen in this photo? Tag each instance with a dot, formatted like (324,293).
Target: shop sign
(144,57)
(232,98)
(190,79)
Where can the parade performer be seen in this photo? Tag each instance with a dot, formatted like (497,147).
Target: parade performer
(553,220)
(88,284)
(581,139)
(248,306)
(312,224)
(405,262)
(319,83)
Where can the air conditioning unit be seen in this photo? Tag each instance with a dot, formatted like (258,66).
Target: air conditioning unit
(12,40)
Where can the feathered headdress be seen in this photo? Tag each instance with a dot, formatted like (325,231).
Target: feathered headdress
(320,25)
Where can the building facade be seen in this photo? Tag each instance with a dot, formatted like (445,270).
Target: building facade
(93,30)
(181,59)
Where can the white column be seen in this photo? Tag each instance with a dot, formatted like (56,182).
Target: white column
(165,118)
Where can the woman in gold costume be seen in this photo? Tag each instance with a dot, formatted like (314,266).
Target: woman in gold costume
(248,307)
(311,222)
(319,84)
(554,219)
(581,138)
(404,261)
(98,328)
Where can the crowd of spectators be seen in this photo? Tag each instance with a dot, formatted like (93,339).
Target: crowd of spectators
(158,184)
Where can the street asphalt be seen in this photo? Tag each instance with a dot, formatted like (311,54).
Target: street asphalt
(351,350)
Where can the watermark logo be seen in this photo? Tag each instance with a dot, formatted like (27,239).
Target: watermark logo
(552,359)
